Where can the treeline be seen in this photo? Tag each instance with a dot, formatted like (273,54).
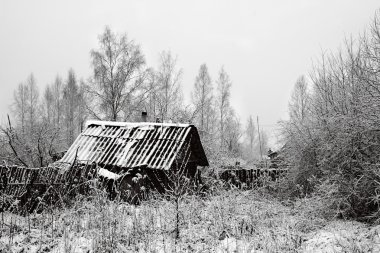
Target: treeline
(122,86)
(332,136)
(41,125)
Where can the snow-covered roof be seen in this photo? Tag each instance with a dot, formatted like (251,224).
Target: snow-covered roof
(130,145)
(133,124)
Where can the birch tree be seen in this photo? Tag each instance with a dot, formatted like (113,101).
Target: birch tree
(299,103)
(57,96)
(71,99)
(117,76)
(82,109)
(32,105)
(169,93)
(250,131)
(48,105)
(223,100)
(202,100)
(232,133)
(20,104)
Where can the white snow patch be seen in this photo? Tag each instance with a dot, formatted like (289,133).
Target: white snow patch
(146,128)
(108,174)
(132,124)
(344,236)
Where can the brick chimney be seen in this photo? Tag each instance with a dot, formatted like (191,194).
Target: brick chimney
(144,116)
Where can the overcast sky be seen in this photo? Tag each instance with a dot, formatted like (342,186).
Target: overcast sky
(263,45)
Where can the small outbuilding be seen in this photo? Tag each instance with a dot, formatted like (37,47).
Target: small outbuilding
(140,153)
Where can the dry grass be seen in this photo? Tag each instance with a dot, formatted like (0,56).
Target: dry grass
(232,221)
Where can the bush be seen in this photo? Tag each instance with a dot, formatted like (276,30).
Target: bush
(332,137)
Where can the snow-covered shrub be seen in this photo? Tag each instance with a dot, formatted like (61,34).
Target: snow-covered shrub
(332,136)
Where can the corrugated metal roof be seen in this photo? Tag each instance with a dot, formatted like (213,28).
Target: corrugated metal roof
(129,145)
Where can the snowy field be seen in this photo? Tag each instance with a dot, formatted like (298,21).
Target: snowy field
(232,221)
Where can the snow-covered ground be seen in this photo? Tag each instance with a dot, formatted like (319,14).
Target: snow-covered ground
(233,221)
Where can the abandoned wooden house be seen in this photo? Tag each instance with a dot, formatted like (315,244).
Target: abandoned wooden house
(138,155)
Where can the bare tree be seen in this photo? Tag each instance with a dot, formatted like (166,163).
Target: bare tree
(57,93)
(117,79)
(223,100)
(20,104)
(299,103)
(71,100)
(32,105)
(82,110)
(48,104)
(250,131)
(263,141)
(202,99)
(53,113)
(152,105)
(30,139)
(169,93)
(232,133)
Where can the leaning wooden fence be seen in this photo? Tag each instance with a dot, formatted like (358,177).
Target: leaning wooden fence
(27,184)
(14,178)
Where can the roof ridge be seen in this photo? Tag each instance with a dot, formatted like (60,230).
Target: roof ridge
(133,124)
